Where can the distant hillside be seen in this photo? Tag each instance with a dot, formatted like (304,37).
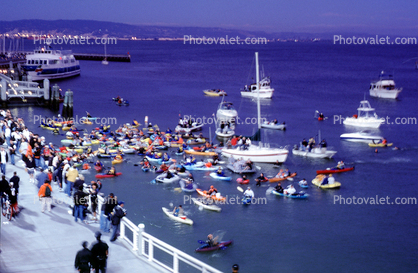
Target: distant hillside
(119,30)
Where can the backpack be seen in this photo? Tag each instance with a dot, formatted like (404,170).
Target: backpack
(47,191)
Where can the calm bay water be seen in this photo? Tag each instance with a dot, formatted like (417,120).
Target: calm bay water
(166,79)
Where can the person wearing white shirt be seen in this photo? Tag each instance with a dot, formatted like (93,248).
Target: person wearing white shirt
(249,193)
(331,179)
(290,190)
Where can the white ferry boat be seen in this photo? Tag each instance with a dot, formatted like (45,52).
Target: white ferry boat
(384,87)
(46,63)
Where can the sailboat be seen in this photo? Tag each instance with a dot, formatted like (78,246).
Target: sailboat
(105,62)
(260,89)
(257,153)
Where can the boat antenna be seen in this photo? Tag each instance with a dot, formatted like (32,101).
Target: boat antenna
(257,77)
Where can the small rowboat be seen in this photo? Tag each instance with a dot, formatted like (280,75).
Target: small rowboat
(298,195)
(214,92)
(206,247)
(380,144)
(103,175)
(318,180)
(334,170)
(206,206)
(277,179)
(162,178)
(181,219)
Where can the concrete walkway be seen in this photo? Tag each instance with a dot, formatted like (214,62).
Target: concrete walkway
(48,242)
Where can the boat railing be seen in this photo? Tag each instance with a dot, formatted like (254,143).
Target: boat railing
(154,250)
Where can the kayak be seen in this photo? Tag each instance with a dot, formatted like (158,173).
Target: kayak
(246,200)
(206,247)
(318,179)
(103,175)
(220,177)
(380,144)
(241,181)
(183,186)
(206,206)
(193,152)
(98,168)
(181,219)
(298,195)
(277,179)
(162,178)
(216,197)
(334,170)
(117,161)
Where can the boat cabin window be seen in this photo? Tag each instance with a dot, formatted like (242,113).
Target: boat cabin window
(36,61)
(52,61)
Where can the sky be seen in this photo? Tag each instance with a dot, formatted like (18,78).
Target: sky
(365,16)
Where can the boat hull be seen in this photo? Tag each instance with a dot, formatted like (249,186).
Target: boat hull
(261,94)
(385,94)
(259,155)
(206,206)
(222,244)
(363,122)
(315,153)
(334,170)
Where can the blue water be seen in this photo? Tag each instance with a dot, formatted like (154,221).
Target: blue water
(166,79)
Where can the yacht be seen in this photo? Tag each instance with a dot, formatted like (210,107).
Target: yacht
(46,63)
(264,91)
(366,117)
(226,112)
(261,152)
(384,87)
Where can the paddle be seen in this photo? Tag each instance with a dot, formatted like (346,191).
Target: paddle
(177,189)
(290,178)
(201,242)
(240,189)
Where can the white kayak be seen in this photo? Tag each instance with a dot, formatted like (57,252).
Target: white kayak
(206,206)
(181,219)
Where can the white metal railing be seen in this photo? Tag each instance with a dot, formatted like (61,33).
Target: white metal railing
(144,244)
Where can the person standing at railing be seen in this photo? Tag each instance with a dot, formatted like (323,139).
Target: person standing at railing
(109,203)
(117,214)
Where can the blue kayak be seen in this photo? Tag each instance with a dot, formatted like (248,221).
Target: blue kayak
(302,185)
(220,177)
(246,200)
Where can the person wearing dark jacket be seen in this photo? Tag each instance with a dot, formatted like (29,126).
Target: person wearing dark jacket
(80,202)
(4,188)
(100,251)
(110,203)
(117,214)
(83,259)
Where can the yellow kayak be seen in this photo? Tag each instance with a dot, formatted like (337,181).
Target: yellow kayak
(318,180)
(193,152)
(380,144)
(49,128)
(117,161)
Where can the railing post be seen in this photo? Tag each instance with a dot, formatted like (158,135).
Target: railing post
(140,241)
(122,229)
(175,262)
(150,250)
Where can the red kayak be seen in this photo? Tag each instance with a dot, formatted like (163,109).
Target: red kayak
(103,175)
(206,247)
(98,168)
(334,170)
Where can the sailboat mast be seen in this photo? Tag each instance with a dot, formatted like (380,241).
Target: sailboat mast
(257,78)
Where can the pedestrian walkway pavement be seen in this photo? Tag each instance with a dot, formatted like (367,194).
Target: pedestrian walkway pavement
(48,242)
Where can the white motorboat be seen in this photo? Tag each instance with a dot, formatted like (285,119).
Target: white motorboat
(226,112)
(264,90)
(366,117)
(363,136)
(384,87)
(257,153)
(273,125)
(318,151)
(46,63)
